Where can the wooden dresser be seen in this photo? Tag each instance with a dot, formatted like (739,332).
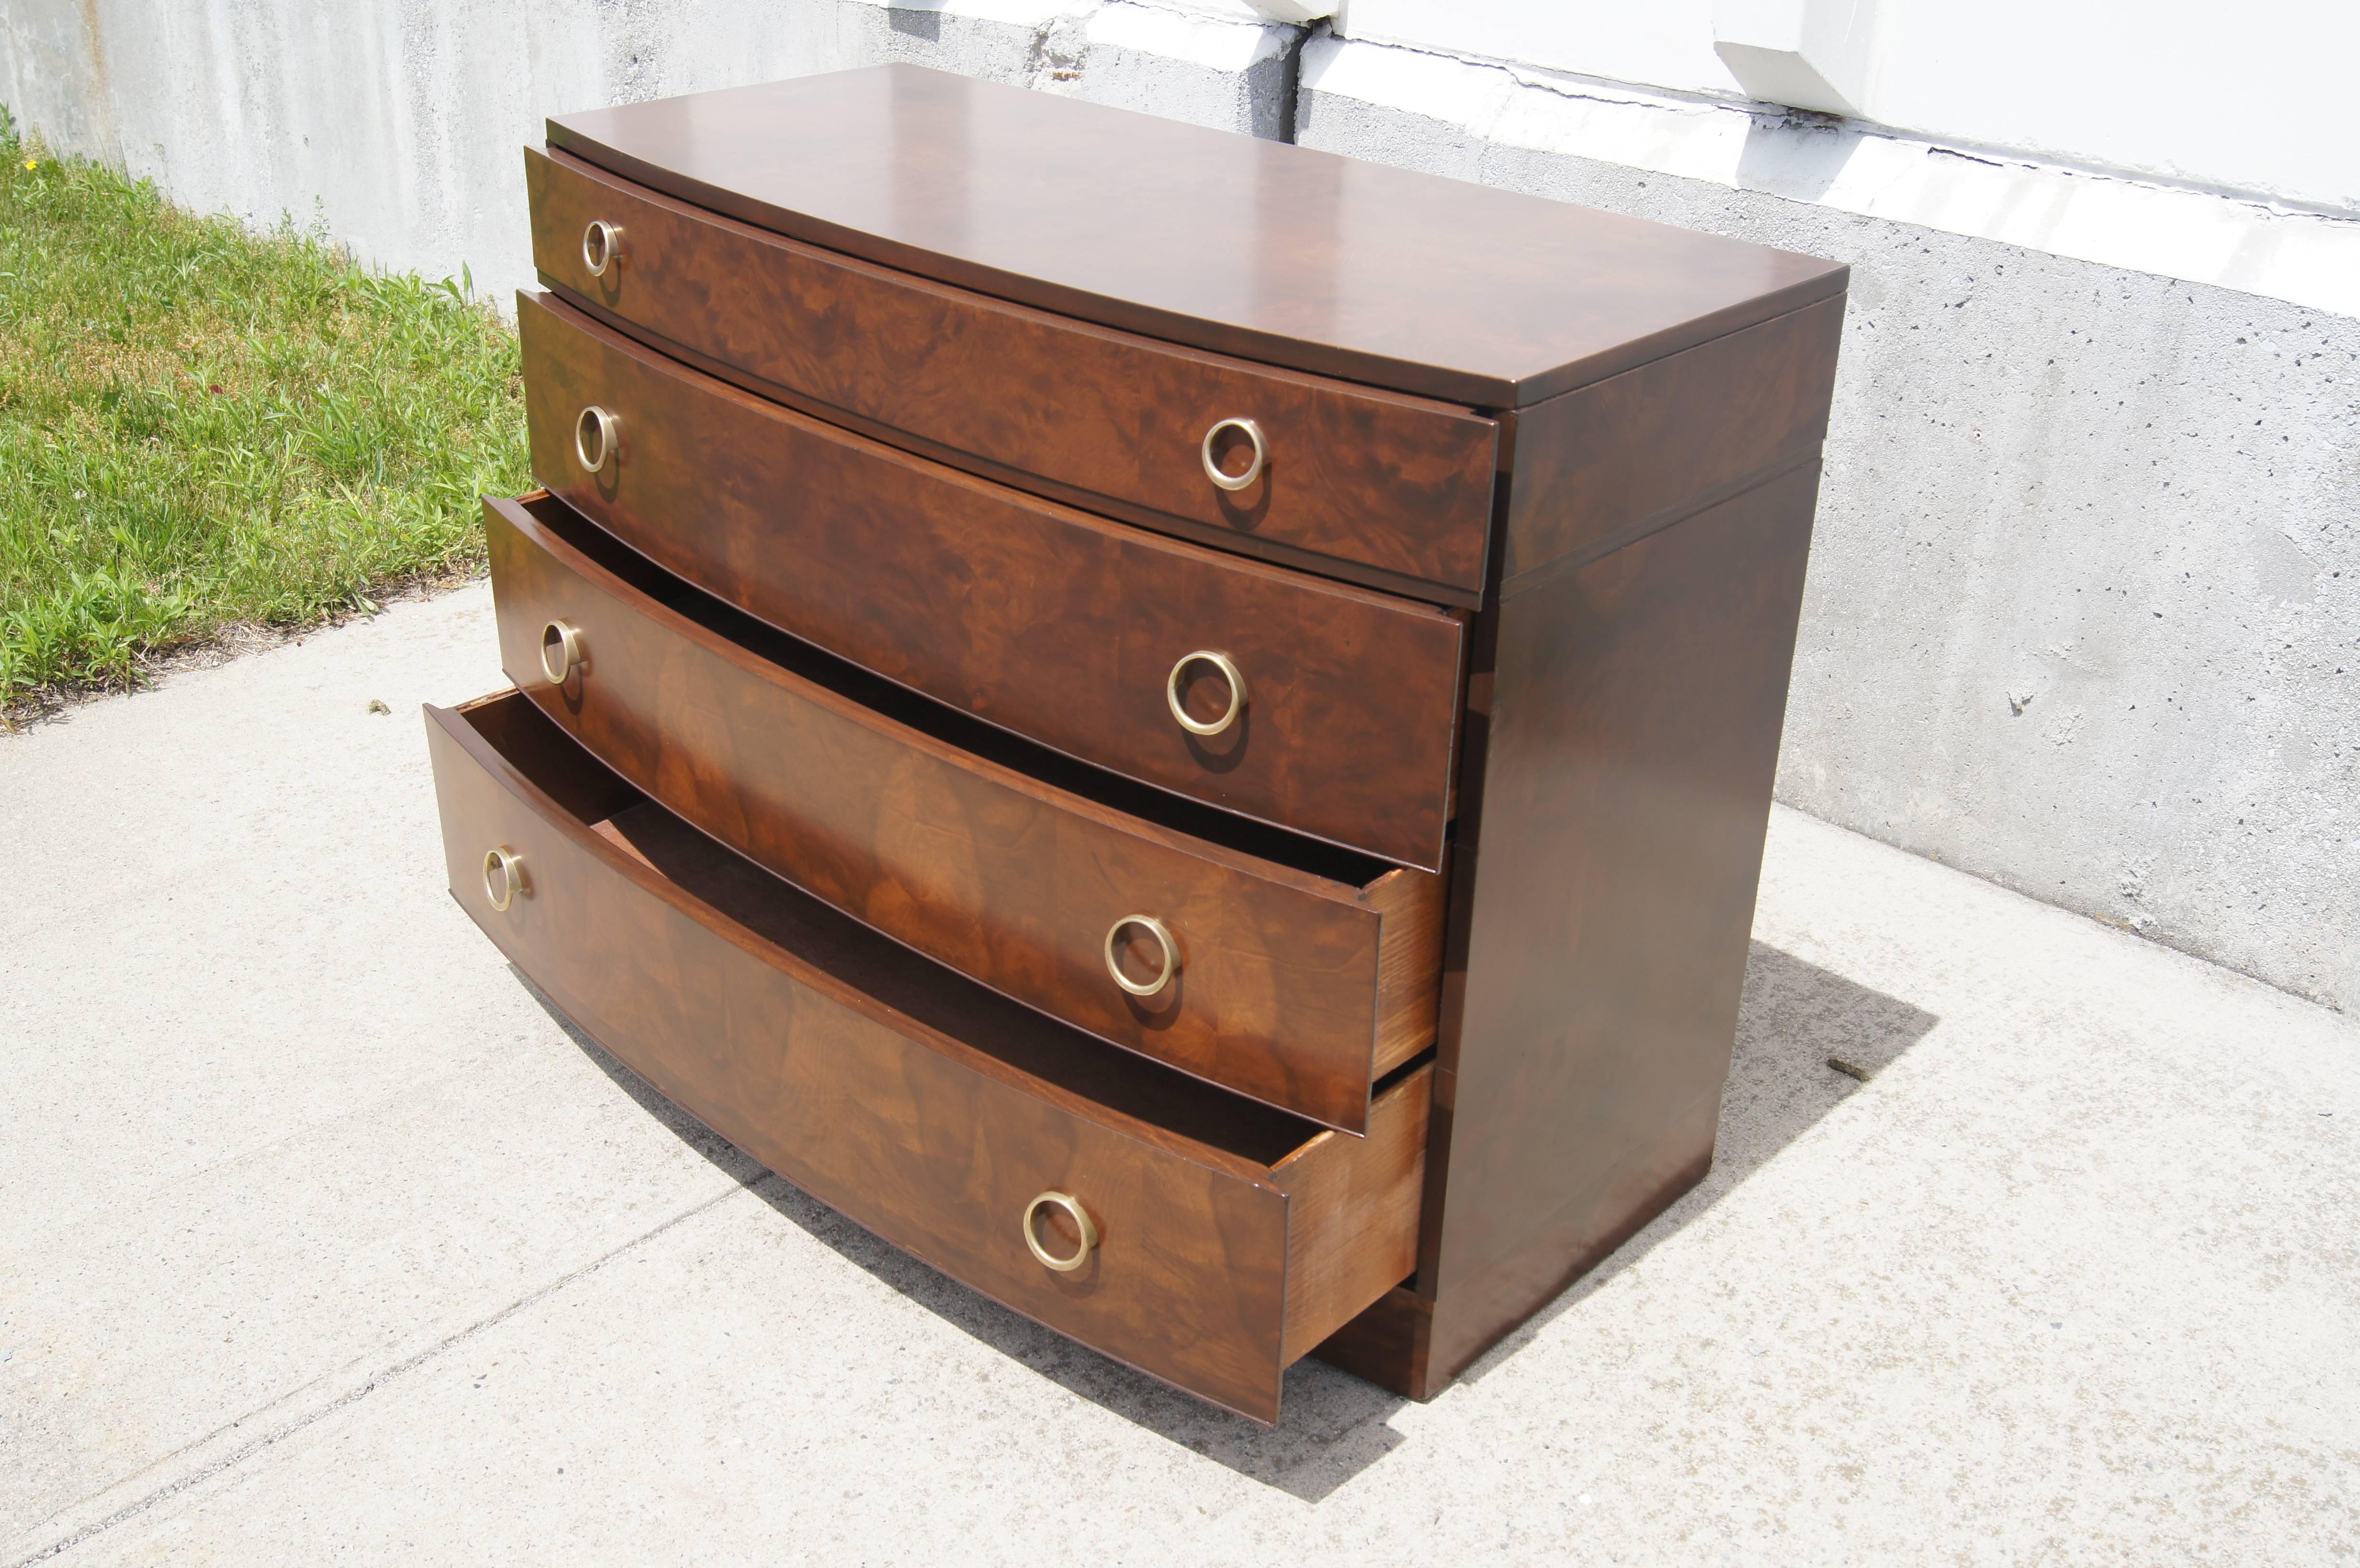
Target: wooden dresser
(1180,726)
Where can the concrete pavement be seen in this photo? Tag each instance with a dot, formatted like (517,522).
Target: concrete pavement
(325,1241)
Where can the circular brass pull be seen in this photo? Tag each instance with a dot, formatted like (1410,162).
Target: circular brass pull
(596,425)
(1073,1209)
(602,246)
(503,876)
(1254,470)
(1229,672)
(560,651)
(1162,935)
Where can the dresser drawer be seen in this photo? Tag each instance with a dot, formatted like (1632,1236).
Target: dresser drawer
(1353,477)
(1299,973)
(1229,1239)
(1079,633)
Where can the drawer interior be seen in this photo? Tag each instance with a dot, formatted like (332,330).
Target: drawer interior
(1063,1060)
(955,726)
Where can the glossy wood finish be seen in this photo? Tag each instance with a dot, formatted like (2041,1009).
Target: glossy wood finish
(1615,462)
(1259,249)
(1372,1191)
(1303,979)
(1357,478)
(924,1108)
(1623,751)
(900,360)
(1047,621)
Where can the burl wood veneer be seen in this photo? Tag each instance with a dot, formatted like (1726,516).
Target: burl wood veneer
(1179,725)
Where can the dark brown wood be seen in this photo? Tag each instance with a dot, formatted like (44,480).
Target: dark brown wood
(907,530)
(1623,748)
(1632,743)
(1047,621)
(924,1108)
(1617,460)
(1388,1344)
(1356,477)
(1416,1346)
(1259,249)
(1296,987)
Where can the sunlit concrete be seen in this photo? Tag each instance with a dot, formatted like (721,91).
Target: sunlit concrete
(325,1241)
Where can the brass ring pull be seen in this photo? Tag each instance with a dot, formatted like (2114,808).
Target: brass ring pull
(1254,470)
(560,651)
(1074,1211)
(1229,672)
(602,246)
(1162,935)
(503,876)
(595,424)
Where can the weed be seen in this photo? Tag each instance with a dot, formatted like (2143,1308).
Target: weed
(200,425)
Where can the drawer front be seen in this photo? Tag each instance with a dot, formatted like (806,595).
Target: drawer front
(915,1134)
(1014,881)
(1047,621)
(1396,485)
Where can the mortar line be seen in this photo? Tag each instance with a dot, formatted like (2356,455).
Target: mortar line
(375,1382)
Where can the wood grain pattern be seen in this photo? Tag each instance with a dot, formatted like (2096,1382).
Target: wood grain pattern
(1047,621)
(1292,980)
(923,1107)
(1356,477)
(1259,249)
(1372,1189)
(1653,444)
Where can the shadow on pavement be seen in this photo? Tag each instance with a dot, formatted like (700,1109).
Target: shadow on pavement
(1794,1016)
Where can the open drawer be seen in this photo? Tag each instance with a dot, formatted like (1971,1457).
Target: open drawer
(1202,1237)
(1297,972)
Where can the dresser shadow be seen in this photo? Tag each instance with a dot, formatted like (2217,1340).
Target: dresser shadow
(1793,1018)
(1333,1427)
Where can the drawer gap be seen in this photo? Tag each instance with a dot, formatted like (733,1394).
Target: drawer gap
(832,942)
(951,725)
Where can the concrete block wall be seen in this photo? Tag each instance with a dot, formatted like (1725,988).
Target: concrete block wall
(2084,615)
(395,124)
(2084,608)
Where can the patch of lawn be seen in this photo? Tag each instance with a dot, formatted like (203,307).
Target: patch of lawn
(201,426)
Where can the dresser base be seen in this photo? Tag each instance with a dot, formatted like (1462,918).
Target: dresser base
(1416,1347)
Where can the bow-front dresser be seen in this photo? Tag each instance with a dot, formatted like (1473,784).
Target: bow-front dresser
(1178,725)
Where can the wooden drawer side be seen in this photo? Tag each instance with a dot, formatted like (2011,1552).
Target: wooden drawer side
(1352,1235)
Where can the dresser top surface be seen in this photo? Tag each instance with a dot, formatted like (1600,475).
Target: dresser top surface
(1261,249)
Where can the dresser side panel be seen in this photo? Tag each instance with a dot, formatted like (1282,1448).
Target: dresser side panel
(1645,448)
(1630,746)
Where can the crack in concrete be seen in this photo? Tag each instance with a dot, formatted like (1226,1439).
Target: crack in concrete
(375,1382)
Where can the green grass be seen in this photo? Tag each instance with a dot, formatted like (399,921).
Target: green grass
(201,426)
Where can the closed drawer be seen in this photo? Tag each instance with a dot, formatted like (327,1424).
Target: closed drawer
(1051,622)
(1298,973)
(1230,1238)
(1353,477)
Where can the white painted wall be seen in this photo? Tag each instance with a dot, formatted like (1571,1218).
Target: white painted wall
(2253,98)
